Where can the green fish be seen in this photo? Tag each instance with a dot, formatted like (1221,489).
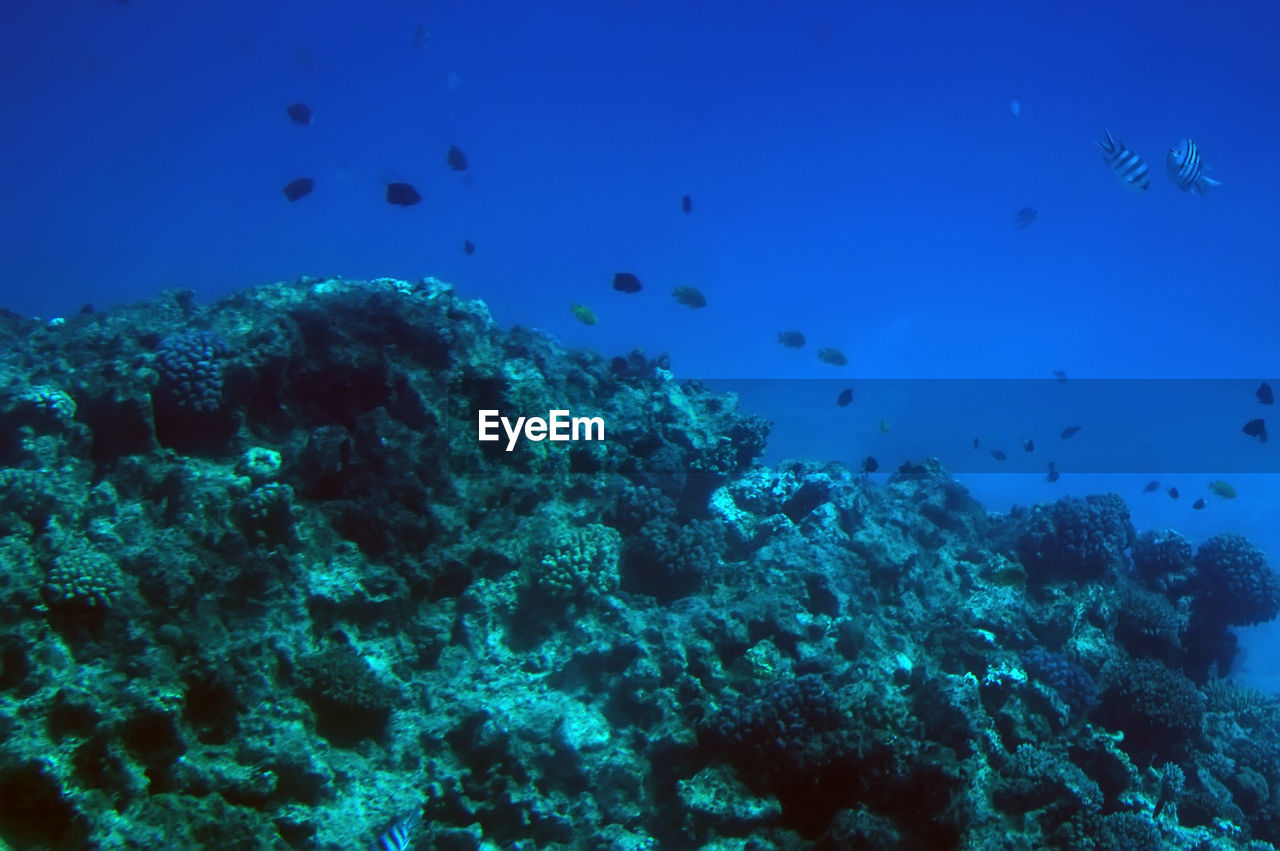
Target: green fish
(689,297)
(835,357)
(1222,489)
(583,314)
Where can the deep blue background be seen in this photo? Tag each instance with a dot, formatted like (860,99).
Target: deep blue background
(854,167)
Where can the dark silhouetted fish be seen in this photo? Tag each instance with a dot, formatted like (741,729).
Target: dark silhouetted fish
(1069,432)
(975,443)
(998,454)
(1053,474)
(1029,445)
(1151,486)
(791,339)
(299,113)
(1256,428)
(870,465)
(689,297)
(1061,375)
(1173,493)
(1199,504)
(625,282)
(468,247)
(686,204)
(1125,164)
(1264,394)
(1187,170)
(845,397)
(835,357)
(299,188)
(1024,217)
(402,195)
(456,159)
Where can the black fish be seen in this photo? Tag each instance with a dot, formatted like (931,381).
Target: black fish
(1256,428)
(686,204)
(998,454)
(791,339)
(975,443)
(1053,474)
(689,297)
(1029,445)
(845,397)
(402,195)
(1024,217)
(870,465)
(468,247)
(1264,394)
(625,282)
(835,357)
(1151,487)
(456,159)
(1061,375)
(299,113)
(1173,493)
(1069,432)
(1199,504)
(299,188)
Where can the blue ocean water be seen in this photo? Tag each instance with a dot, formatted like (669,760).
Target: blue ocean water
(854,169)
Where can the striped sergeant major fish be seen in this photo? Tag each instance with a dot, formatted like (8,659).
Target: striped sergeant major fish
(1187,169)
(1128,166)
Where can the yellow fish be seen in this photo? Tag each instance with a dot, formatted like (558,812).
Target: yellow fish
(583,314)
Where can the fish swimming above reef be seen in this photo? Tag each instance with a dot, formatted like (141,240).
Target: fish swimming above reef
(1264,394)
(845,398)
(1053,475)
(1173,493)
(625,282)
(791,339)
(299,113)
(1223,489)
(1029,445)
(295,189)
(1069,432)
(1151,486)
(1061,375)
(1125,164)
(468,247)
(1024,217)
(835,357)
(999,455)
(402,195)
(1199,504)
(1187,170)
(689,297)
(870,465)
(686,204)
(583,314)
(1256,429)
(456,159)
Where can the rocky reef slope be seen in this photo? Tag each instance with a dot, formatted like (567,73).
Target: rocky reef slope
(262,587)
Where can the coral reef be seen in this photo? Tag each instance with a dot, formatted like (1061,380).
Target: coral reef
(263,587)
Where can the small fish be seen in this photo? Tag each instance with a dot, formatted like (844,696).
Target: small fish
(870,465)
(398,835)
(1199,504)
(689,297)
(1128,166)
(402,195)
(791,339)
(1256,428)
(1015,107)
(1024,217)
(845,397)
(468,247)
(999,455)
(583,314)
(1223,489)
(299,113)
(1173,493)
(456,159)
(1053,475)
(1061,375)
(1029,445)
(884,426)
(1069,432)
(1264,394)
(835,357)
(975,443)
(625,282)
(686,204)
(299,188)
(1151,486)
(1187,170)
(421,37)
